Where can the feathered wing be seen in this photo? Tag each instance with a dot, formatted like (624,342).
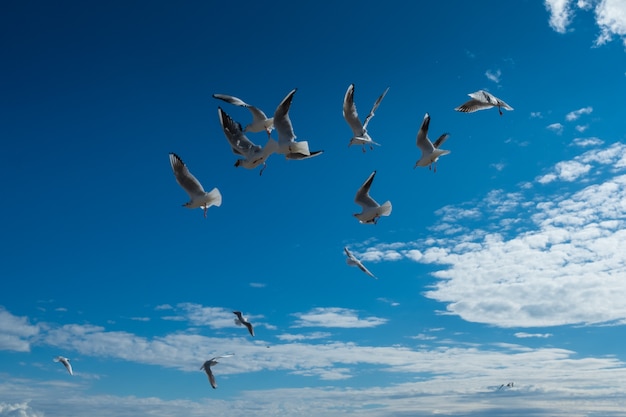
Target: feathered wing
(66,363)
(350,113)
(441,140)
(231,99)
(362,196)
(282,122)
(473,105)
(374,107)
(239,142)
(422,136)
(185,179)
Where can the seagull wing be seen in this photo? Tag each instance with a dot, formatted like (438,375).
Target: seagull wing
(422,136)
(376,104)
(350,113)
(364,269)
(231,99)
(441,140)
(239,142)
(282,123)
(473,105)
(184,178)
(362,196)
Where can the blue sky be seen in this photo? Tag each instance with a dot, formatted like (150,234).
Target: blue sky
(506,265)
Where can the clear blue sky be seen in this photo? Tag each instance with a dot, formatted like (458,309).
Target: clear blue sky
(506,265)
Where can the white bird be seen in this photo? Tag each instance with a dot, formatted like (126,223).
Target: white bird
(65,362)
(260,121)
(241,320)
(481,100)
(371,209)
(287,144)
(430,151)
(207,368)
(353,261)
(253,154)
(359,130)
(189,183)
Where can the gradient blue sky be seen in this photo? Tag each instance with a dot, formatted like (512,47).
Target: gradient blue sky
(508,264)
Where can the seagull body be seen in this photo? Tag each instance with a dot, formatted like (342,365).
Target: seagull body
(481,100)
(260,121)
(353,261)
(241,320)
(65,362)
(189,183)
(359,130)
(253,154)
(287,144)
(371,209)
(430,151)
(207,368)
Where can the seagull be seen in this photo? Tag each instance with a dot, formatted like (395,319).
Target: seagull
(260,121)
(359,130)
(371,209)
(287,144)
(241,320)
(207,368)
(65,362)
(430,151)
(509,385)
(199,198)
(253,154)
(482,100)
(353,261)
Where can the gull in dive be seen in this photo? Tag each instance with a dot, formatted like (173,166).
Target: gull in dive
(207,368)
(371,209)
(65,362)
(481,100)
(241,320)
(260,121)
(430,151)
(353,261)
(359,130)
(253,154)
(189,183)
(287,144)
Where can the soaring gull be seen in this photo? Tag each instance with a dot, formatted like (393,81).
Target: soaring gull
(353,261)
(371,209)
(430,151)
(481,100)
(241,320)
(253,154)
(359,130)
(189,183)
(260,121)
(207,368)
(66,362)
(287,144)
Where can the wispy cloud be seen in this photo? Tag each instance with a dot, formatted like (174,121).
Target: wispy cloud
(574,115)
(587,142)
(15,332)
(560,14)
(494,75)
(556,127)
(336,317)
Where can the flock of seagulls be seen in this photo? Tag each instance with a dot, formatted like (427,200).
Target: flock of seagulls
(252,156)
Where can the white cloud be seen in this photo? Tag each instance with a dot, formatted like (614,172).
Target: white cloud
(574,115)
(556,127)
(299,337)
(587,142)
(611,18)
(536,115)
(18,410)
(565,171)
(15,332)
(257,285)
(494,75)
(560,14)
(523,335)
(336,317)
(582,128)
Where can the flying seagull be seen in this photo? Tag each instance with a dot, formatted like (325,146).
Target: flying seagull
(359,130)
(371,209)
(253,154)
(207,368)
(241,320)
(287,144)
(481,100)
(508,385)
(260,121)
(189,183)
(65,362)
(430,151)
(353,261)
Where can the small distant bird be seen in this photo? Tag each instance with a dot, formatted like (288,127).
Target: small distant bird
(241,320)
(371,209)
(481,100)
(207,368)
(353,261)
(253,154)
(359,130)
(189,183)
(430,151)
(65,362)
(260,121)
(508,385)
(287,144)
